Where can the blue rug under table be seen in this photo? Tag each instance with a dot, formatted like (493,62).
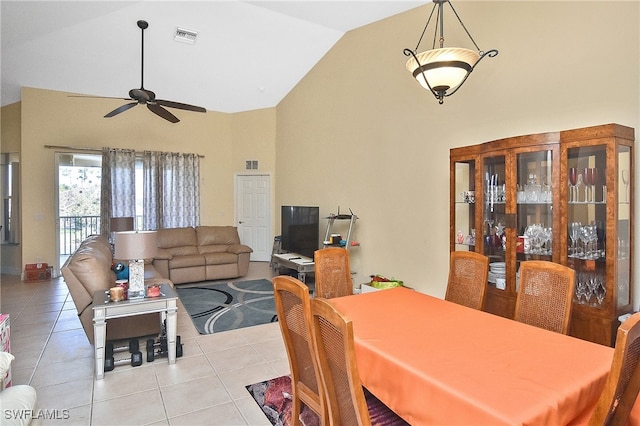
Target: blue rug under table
(227,306)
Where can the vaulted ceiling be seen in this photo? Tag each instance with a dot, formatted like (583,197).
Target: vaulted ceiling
(247,54)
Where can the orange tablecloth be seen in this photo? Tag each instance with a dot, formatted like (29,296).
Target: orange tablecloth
(435,362)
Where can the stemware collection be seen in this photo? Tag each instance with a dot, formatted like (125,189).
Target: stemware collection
(625,180)
(540,239)
(588,235)
(590,288)
(588,179)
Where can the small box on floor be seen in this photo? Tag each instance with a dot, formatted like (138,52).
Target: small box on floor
(34,272)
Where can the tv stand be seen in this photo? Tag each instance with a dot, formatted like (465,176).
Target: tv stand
(294,261)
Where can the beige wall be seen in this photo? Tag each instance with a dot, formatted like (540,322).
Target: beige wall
(53,118)
(10,255)
(359,132)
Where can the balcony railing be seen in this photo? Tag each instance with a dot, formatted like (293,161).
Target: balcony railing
(74,229)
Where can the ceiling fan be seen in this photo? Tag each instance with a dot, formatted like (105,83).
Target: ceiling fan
(143,96)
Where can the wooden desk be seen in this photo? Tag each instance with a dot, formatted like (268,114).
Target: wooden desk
(435,362)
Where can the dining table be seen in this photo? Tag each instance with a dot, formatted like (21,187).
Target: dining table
(434,362)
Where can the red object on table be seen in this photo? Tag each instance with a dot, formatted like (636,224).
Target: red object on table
(436,362)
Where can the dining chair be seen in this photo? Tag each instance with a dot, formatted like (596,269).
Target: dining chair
(623,383)
(294,315)
(468,274)
(545,295)
(332,272)
(333,336)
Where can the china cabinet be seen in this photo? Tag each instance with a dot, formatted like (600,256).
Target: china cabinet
(565,197)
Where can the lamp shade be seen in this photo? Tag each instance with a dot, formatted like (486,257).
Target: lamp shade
(119,224)
(136,245)
(444,68)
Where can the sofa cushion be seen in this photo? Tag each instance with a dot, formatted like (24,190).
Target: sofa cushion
(213,248)
(177,238)
(91,266)
(183,251)
(217,235)
(100,244)
(186,261)
(221,258)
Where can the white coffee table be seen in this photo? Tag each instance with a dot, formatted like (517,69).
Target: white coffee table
(104,309)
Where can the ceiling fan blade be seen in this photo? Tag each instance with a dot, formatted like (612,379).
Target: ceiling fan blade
(179,105)
(120,109)
(99,97)
(157,109)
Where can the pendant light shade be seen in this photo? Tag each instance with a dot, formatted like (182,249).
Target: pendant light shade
(443,70)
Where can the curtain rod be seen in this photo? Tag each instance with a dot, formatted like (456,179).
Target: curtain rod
(79,148)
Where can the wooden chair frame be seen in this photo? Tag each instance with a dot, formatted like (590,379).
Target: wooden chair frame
(623,383)
(546,288)
(468,275)
(332,272)
(292,302)
(333,336)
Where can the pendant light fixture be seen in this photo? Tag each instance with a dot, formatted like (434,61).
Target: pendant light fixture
(443,70)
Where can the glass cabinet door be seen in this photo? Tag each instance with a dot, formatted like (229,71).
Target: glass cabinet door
(586,221)
(464,205)
(625,185)
(494,218)
(534,206)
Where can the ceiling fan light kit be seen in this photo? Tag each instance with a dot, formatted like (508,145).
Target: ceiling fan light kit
(146,97)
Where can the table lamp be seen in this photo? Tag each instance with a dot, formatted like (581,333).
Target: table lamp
(119,224)
(136,246)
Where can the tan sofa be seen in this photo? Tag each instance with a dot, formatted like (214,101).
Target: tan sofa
(88,270)
(203,253)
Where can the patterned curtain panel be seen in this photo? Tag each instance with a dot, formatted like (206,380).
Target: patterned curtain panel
(152,181)
(172,190)
(105,193)
(118,192)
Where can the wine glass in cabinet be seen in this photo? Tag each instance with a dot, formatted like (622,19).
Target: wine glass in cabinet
(601,216)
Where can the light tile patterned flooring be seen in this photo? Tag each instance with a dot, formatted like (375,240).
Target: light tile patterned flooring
(204,387)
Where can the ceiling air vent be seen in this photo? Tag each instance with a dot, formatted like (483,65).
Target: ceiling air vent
(185,36)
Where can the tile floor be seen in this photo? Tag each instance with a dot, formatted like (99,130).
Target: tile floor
(204,387)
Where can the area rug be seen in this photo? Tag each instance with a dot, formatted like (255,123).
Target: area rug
(274,398)
(227,306)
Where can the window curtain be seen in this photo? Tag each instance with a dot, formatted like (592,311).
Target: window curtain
(117,194)
(171,190)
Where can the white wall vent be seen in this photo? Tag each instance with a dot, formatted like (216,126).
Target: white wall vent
(185,36)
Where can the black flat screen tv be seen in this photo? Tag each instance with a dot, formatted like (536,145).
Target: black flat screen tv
(300,228)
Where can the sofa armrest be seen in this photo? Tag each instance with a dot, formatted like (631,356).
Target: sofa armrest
(162,267)
(239,249)
(163,254)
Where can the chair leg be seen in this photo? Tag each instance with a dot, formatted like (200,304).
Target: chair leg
(296,407)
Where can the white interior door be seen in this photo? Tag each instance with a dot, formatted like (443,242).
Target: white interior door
(253,214)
